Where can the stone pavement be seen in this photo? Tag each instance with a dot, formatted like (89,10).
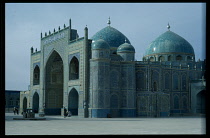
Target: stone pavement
(58,125)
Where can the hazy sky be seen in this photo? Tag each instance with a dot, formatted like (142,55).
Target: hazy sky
(140,22)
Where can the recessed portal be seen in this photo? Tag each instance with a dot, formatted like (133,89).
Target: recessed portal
(54,85)
(24,104)
(201,102)
(35,102)
(73,101)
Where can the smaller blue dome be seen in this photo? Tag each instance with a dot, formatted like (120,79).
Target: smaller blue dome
(100,44)
(126,48)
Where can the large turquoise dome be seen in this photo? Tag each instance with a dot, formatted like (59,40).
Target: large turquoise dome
(169,42)
(111,35)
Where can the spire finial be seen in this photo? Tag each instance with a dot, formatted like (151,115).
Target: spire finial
(168,26)
(109,22)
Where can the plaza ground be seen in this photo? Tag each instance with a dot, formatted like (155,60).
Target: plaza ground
(58,125)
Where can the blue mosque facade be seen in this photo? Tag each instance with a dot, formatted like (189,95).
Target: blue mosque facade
(99,76)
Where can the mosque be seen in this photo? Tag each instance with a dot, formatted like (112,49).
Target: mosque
(99,76)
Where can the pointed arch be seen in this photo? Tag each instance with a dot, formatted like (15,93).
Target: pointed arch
(54,84)
(36,102)
(201,102)
(167,81)
(169,58)
(178,58)
(74,69)
(24,104)
(161,58)
(184,82)
(175,81)
(73,101)
(36,75)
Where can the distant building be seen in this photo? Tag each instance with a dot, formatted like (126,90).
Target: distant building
(12,99)
(98,77)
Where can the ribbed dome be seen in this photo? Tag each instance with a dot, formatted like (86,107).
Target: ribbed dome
(100,44)
(126,48)
(111,35)
(169,42)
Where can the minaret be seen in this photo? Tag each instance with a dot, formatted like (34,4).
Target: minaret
(70,30)
(86,32)
(32,50)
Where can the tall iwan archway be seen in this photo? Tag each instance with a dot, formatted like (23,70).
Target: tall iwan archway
(54,84)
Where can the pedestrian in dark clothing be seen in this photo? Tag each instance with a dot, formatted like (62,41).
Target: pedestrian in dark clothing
(64,113)
(14,110)
(69,113)
(17,111)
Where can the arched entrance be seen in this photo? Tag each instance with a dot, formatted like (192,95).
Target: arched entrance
(24,104)
(54,84)
(35,102)
(73,101)
(201,102)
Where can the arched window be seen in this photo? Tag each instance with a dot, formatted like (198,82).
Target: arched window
(151,59)
(189,58)
(178,58)
(167,81)
(184,83)
(175,81)
(169,58)
(161,58)
(155,86)
(36,75)
(74,69)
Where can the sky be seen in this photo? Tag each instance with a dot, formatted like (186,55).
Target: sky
(141,23)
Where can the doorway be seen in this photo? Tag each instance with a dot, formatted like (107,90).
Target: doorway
(73,101)
(54,84)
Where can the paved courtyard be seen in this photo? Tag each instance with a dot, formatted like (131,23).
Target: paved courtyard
(57,125)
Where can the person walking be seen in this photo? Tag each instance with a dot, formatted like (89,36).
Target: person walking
(64,113)
(69,113)
(14,110)
(17,111)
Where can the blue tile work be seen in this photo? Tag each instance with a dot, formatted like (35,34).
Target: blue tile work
(100,113)
(115,84)
(127,112)
(112,36)
(169,42)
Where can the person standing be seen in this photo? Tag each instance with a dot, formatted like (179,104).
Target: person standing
(17,111)
(14,110)
(64,113)
(69,113)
